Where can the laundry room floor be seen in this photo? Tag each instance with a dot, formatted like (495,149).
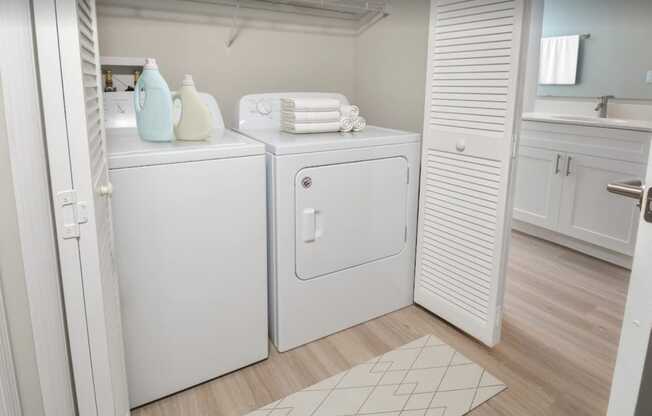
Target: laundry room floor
(563,312)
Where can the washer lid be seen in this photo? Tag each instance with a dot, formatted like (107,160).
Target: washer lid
(281,143)
(127,150)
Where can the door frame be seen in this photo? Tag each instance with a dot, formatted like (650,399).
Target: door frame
(34,221)
(529,98)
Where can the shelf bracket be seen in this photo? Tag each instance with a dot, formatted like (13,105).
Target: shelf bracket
(233,33)
(378,16)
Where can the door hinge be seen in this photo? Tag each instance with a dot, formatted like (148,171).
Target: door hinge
(514,146)
(499,317)
(72,213)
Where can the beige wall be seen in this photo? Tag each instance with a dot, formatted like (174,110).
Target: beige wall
(258,61)
(391,67)
(383,70)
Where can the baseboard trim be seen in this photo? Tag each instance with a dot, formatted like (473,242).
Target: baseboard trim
(572,243)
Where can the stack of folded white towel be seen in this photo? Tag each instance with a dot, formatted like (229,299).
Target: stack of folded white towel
(319,115)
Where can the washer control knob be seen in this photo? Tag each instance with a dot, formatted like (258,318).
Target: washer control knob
(264,107)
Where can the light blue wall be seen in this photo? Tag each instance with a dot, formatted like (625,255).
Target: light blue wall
(615,59)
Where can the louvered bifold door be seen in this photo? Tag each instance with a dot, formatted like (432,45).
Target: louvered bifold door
(81,81)
(471,90)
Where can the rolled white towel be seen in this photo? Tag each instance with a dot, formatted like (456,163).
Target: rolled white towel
(310,104)
(350,110)
(346,124)
(311,127)
(310,116)
(359,123)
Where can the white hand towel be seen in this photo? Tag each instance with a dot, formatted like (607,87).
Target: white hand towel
(311,127)
(350,110)
(346,124)
(310,104)
(558,60)
(359,123)
(310,116)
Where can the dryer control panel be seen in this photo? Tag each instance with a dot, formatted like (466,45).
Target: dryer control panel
(263,111)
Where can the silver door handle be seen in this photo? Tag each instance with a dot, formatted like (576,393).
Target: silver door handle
(568,166)
(632,188)
(557,164)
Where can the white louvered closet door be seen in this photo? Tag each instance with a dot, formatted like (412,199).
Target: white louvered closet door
(103,392)
(471,91)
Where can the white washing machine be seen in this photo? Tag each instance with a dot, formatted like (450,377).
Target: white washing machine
(190,246)
(342,214)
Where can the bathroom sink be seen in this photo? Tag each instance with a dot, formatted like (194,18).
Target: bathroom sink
(572,118)
(616,120)
(614,123)
(590,119)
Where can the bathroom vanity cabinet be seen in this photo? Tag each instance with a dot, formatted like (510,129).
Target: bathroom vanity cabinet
(560,186)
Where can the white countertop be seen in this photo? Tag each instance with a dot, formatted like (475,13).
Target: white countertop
(577,120)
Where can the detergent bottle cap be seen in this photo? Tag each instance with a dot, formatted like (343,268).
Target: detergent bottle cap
(150,63)
(187,80)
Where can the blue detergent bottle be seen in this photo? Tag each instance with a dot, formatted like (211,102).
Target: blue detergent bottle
(153,103)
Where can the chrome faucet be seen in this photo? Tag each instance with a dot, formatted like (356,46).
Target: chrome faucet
(603,105)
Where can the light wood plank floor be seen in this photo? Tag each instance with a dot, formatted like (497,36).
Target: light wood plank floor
(563,313)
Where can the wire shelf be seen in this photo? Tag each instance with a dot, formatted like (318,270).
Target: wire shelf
(336,17)
(343,9)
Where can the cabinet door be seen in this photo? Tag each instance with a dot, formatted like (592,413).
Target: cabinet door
(588,212)
(538,186)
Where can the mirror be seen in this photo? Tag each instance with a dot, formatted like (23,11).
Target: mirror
(596,47)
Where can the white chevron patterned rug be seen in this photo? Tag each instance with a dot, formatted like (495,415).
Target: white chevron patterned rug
(423,378)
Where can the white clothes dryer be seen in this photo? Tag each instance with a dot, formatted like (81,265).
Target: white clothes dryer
(342,214)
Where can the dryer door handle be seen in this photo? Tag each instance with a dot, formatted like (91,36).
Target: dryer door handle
(309,225)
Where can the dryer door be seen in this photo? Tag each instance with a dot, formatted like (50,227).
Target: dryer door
(349,214)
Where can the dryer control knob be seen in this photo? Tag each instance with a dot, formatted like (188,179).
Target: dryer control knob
(264,107)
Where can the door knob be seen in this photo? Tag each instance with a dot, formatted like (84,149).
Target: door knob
(106,190)
(634,189)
